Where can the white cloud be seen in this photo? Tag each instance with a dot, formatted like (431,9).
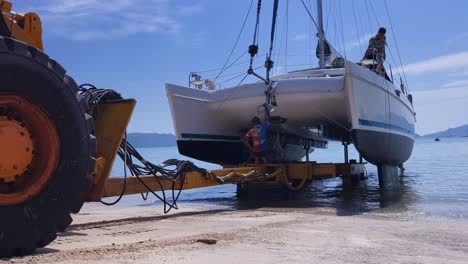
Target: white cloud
(456,38)
(442,63)
(186,10)
(456,84)
(460,72)
(363,40)
(440,109)
(301,37)
(447,106)
(97,19)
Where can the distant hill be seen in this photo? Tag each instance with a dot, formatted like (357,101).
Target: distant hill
(461,131)
(150,140)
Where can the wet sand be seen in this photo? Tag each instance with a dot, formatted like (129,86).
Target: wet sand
(142,234)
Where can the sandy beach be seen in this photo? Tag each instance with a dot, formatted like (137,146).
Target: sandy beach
(207,234)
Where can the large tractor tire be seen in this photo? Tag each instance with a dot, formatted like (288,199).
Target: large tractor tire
(46,148)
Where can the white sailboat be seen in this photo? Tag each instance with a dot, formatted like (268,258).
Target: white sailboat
(342,101)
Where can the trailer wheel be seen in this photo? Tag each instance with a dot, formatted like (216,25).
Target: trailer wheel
(46,148)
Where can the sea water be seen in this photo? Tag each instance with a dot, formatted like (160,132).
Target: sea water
(435,183)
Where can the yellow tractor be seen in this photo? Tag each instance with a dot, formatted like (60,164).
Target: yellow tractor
(58,142)
(47,147)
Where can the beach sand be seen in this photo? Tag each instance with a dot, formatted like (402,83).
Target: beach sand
(142,234)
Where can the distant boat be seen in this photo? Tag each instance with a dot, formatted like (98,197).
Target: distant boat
(437,139)
(340,100)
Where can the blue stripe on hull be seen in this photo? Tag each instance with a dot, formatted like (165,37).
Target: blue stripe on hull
(364,122)
(207,136)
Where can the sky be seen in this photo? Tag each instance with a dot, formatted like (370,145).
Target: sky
(136,46)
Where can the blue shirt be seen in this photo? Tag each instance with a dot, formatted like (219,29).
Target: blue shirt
(262,132)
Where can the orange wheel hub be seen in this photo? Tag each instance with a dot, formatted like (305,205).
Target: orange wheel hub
(30,149)
(17,147)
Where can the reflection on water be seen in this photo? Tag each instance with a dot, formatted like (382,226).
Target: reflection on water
(363,196)
(434,184)
(360,197)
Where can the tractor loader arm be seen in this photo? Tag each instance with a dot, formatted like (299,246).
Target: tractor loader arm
(24,27)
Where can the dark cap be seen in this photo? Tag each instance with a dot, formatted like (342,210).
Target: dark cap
(382,30)
(255,120)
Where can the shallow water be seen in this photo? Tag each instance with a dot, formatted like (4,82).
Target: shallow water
(434,184)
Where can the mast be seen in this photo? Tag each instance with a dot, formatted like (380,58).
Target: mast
(321,34)
(269,62)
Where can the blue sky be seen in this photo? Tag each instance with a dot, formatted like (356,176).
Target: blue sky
(136,46)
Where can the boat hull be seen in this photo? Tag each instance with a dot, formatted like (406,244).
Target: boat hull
(218,152)
(382,118)
(382,148)
(350,103)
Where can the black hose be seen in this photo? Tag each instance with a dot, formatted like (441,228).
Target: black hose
(130,155)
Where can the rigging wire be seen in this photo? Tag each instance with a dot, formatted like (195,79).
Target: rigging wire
(315,23)
(234,63)
(373,11)
(342,28)
(313,7)
(236,60)
(394,62)
(253,49)
(287,36)
(310,15)
(280,45)
(242,80)
(360,17)
(396,45)
(230,65)
(356,24)
(269,62)
(239,74)
(237,40)
(277,52)
(334,22)
(230,79)
(311,37)
(368,12)
(328,16)
(231,74)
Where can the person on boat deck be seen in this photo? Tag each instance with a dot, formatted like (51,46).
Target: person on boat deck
(256,140)
(376,50)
